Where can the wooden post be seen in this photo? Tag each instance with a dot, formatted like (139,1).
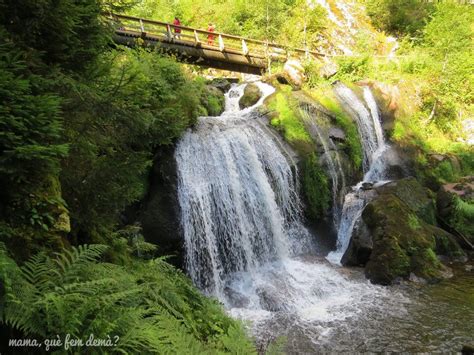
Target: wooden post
(245,49)
(221,44)
(169,33)
(142,28)
(196,38)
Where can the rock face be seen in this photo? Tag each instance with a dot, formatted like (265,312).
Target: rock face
(454,202)
(222,84)
(294,72)
(251,95)
(397,237)
(159,213)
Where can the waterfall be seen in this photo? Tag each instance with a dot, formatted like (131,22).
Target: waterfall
(374,148)
(244,240)
(238,197)
(333,163)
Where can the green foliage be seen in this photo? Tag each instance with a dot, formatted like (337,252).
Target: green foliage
(67,32)
(289,122)
(353,144)
(400,17)
(413,221)
(137,101)
(149,307)
(30,122)
(463,217)
(280,21)
(315,187)
(352,68)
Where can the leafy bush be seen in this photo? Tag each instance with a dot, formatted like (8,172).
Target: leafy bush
(150,307)
(463,217)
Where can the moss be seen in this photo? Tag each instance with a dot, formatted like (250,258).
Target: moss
(446,244)
(418,198)
(315,187)
(250,97)
(288,121)
(353,145)
(462,218)
(413,222)
(212,102)
(403,243)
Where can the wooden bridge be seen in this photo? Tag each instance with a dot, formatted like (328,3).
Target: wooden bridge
(196,46)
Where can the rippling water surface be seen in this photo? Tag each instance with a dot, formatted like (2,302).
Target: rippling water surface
(403,318)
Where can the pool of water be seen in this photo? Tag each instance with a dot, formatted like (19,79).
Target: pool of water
(354,316)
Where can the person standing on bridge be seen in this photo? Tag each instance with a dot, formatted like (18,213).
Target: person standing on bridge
(177,30)
(210,37)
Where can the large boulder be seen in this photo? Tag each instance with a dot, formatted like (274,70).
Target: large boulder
(396,236)
(222,84)
(401,243)
(250,97)
(159,211)
(418,198)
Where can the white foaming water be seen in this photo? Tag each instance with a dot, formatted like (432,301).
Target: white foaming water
(240,214)
(364,120)
(374,149)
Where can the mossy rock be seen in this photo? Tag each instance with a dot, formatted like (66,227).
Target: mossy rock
(251,96)
(213,101)
(419,199)
(402,242)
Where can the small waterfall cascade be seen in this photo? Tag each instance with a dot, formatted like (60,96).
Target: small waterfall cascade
(244,240)
(333,161)
(238,196)
(366,115)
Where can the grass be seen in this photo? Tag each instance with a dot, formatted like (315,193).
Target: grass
(288,121)
(325,97)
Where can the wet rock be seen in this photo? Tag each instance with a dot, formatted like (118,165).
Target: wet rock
(416,279)
(360,246)
(417,198)
(388,101)
(401,243)
(294,72)
(159,211)
(237,299)
(328,69)
(268,301)
(337,134)
(453,215)
(250,97)
(367,185)
(222,84)
(467,349)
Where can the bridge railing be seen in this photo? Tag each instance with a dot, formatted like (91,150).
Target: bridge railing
(167,32)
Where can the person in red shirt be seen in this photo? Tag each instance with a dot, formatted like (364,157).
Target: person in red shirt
(210,37)
(177,31)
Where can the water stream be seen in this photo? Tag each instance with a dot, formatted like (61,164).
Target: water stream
(374,149)
(246,245)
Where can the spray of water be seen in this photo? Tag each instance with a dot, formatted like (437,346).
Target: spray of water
(374,148)
(245,242)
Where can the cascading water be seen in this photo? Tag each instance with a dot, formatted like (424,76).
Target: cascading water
(245,243)
(238,198)
(374,147)
(333,163)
